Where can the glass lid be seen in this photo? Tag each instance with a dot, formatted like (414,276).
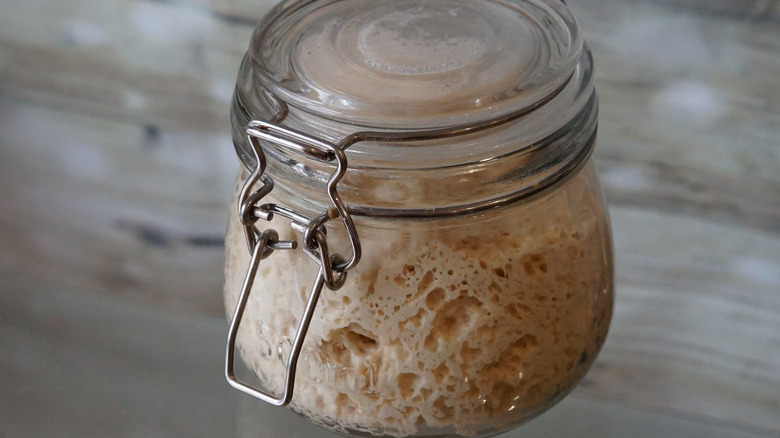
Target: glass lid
(414,64)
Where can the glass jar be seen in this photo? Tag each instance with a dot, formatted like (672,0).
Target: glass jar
(429,250)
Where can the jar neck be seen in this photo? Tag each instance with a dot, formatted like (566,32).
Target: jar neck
(444,175)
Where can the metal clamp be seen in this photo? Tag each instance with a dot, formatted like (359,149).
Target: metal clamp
(332,268)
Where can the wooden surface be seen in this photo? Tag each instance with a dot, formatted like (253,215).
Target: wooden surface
(116,168)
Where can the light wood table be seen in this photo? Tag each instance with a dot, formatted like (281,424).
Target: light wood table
(116,167)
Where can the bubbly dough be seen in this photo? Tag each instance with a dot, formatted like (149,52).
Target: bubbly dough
(461,325)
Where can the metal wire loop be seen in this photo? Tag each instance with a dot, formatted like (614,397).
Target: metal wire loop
(297,345)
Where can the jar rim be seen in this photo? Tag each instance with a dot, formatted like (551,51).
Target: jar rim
(524,192)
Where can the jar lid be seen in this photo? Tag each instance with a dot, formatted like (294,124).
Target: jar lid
(415,64)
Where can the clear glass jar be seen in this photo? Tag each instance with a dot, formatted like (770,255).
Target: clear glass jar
(482,282)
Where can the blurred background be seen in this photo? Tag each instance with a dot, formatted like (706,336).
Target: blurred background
(116,168)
